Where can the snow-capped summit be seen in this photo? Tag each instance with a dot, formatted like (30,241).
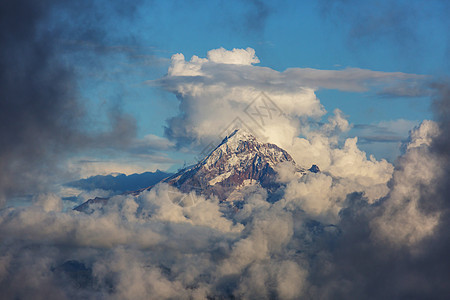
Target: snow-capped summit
(239,160)
(241,145)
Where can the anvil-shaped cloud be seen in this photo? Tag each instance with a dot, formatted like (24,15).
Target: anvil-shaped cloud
(225,85)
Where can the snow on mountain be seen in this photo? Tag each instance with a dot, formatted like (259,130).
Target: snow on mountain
(239,161)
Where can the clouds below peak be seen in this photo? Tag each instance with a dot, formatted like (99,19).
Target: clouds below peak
(321,240)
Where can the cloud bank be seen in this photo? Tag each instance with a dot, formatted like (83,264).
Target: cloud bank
(321,240)
(360,229)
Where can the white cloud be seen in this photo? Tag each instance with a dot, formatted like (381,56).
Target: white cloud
(346,169)
(157,141)
(48,202)
(226,86)
(422,135)
(235,56)
(277,107)
(403,221)
(167,244)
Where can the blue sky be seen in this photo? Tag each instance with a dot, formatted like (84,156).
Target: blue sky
(123,47)
(105,87)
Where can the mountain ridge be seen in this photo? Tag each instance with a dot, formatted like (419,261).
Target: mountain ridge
(240,160)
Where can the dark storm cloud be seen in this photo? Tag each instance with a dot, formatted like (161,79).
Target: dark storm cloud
(39,107)
(441,107)
(42,118)
(358,265)
(361,265)
(365,269)
(441,145)
(165,244)
(157,246)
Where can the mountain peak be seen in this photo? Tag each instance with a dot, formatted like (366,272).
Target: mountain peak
(240,134)
(235,138)
(241,144)
(239,160)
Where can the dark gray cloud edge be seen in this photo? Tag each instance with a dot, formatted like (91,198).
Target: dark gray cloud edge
(42,116)
(366,269)
(120,255)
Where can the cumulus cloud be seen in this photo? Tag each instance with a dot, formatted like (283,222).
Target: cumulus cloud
(422,135)
(322,239)
(227,85)
(163,244)
(345,170)
(278,108)
(418,172)
(359,229)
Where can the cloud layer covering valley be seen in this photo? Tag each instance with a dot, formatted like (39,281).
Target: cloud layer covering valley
(360,229)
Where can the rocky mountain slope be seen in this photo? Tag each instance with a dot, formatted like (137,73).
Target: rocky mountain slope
(238,162)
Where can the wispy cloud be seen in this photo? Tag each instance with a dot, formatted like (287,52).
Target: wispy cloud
(394,131)
(349,79)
